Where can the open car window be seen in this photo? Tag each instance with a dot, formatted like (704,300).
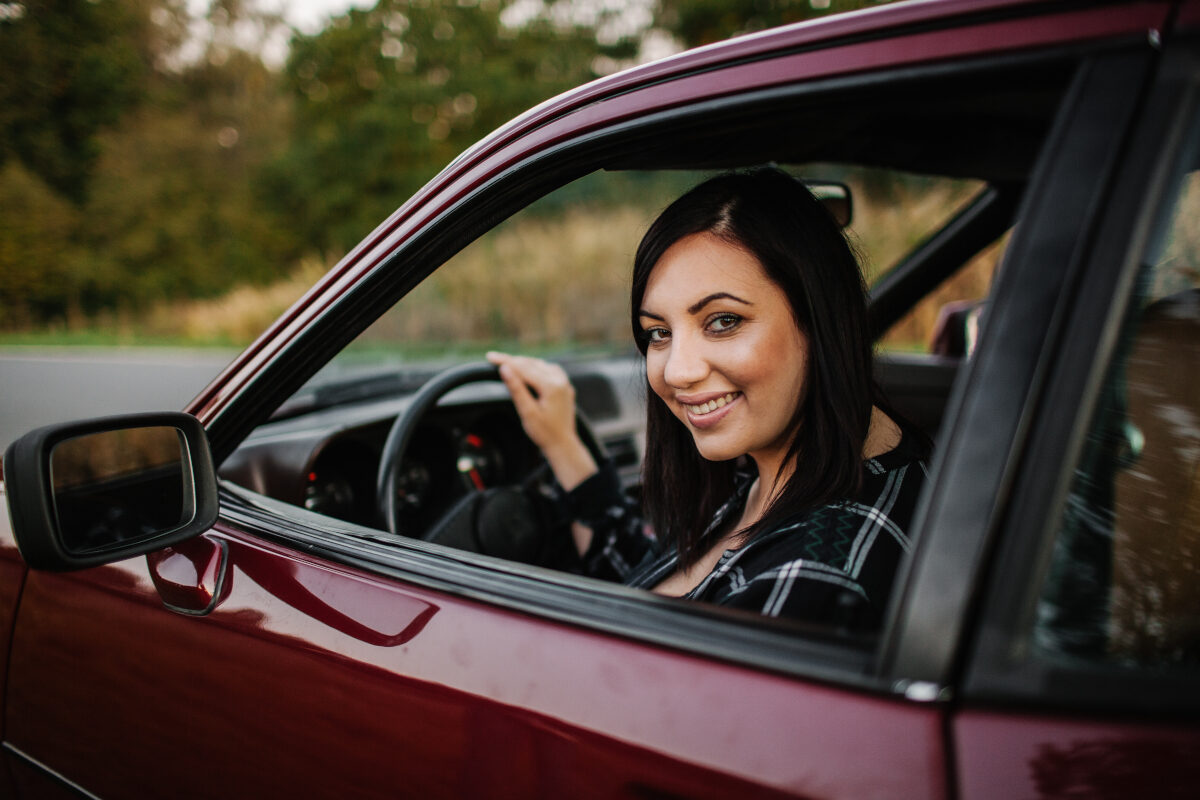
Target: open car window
(551,280)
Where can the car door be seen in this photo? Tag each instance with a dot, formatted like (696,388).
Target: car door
(1082,676)
(283,652)
(12,577)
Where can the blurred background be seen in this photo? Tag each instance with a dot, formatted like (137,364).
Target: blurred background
(179,171)
(176,173)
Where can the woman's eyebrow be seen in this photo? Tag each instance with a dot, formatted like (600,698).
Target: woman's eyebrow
(692,309)
(717,296)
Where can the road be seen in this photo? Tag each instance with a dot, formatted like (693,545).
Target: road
(40,386)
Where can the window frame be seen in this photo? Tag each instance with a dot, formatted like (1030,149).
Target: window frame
(714,633)
(1001,665)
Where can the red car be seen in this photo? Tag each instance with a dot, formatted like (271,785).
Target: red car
(295,595)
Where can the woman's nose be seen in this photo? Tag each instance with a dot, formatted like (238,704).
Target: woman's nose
(686,365)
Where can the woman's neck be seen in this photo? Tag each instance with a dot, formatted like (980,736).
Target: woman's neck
(775,468)
(883,435)
(772,477)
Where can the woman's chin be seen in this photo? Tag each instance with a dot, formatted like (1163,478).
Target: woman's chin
(714,451)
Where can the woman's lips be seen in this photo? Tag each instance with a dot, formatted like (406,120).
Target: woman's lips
(706,414)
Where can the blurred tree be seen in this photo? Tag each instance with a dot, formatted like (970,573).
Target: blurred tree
(384,98)
(697,22)
(173,212)
(37,255)
(169,209)
(68,68)
(148,155)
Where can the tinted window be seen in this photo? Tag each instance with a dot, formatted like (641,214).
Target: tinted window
(1124,582)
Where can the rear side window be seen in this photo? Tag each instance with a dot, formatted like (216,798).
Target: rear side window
(1124,582)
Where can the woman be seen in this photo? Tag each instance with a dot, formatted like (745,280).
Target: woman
(774,478)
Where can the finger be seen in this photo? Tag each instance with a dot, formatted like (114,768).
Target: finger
(540,374)
(521,369)
(522,397)
(540,377)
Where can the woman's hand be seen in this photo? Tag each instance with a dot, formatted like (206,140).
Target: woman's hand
(545,401)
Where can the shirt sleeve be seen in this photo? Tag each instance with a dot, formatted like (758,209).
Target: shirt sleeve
(620,538)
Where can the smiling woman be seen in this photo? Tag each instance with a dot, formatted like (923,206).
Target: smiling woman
(731,364)
(776,477)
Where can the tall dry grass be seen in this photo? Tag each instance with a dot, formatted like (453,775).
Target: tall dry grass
(548,281)
(886,228)
(236,317)
(537,281)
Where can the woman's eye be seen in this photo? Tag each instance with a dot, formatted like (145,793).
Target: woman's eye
(654,335)
(724,322)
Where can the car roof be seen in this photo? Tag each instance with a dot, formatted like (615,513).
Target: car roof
(847,43)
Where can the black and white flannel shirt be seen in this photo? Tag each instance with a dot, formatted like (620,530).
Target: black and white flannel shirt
(834,564)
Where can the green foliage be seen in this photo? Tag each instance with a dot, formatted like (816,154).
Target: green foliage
(169,162)
(68,68)
(387,97)
(697,22)
(173,213)
(131,179)
(37,258)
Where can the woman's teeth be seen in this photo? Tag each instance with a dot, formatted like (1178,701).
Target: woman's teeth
(711,405)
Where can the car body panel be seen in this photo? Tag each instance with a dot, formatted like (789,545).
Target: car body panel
(1002,754)
(440,686)
(12,578)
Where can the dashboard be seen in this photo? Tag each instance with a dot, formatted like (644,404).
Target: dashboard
(323,454)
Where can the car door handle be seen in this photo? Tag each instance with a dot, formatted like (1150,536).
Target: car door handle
(191,576)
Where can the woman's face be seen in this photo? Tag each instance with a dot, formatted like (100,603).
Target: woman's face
(723,350)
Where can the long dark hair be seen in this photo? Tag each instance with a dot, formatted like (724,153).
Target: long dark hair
(774,217)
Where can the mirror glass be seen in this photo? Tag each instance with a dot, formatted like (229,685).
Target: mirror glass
(114,486)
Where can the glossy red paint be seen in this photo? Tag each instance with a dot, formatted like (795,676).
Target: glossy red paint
(668,84)
(12,578)
(190,577)
(1007,755)
(456,688)
(1188,17)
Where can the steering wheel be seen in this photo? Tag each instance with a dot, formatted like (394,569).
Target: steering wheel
(517,522)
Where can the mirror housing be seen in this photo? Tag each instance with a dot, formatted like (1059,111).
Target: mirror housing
(81,494)
(836,198)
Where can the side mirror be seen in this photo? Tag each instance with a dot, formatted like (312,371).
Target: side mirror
(836,198)
(82,494)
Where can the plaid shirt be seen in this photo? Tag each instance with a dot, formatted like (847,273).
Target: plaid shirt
(834,564)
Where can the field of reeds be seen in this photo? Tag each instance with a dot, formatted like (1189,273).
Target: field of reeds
(555,280)
(562,281)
